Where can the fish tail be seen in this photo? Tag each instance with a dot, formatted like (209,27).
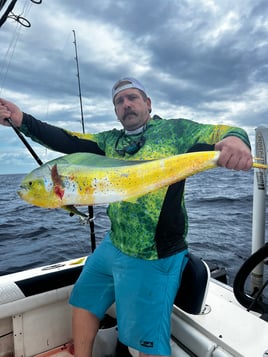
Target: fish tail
(258,165)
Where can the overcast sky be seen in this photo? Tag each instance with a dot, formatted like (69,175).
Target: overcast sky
(204,60)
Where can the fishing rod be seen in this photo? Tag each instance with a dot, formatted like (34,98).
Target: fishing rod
(25,142)
(79,84)
(90,208)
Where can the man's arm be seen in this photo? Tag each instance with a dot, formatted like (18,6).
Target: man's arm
(56,138)
(232,142)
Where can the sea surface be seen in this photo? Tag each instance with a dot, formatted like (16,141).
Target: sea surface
(219,204)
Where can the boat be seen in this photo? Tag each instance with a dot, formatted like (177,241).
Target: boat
(209,317)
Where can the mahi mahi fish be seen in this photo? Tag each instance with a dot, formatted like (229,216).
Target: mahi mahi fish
(89,179)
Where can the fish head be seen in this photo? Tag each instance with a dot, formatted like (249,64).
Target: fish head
(37,188)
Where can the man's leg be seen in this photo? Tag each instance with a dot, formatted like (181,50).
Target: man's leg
(145,292)
(93,291)
(85,328)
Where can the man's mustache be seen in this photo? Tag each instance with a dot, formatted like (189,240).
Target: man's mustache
(129,112)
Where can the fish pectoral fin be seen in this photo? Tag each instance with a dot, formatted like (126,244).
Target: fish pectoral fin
(56,177)
(74,211)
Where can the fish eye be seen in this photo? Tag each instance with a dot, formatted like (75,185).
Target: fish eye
(30,183)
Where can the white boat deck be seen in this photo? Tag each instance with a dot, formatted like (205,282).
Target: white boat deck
(226,330)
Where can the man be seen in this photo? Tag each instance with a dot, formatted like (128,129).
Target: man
(139,263)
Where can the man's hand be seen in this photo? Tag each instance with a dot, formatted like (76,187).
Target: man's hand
(10,110)
(235,154)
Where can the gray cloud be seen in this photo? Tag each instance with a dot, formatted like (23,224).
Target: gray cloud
(202,59)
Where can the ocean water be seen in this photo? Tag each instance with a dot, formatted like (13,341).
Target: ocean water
(219,204)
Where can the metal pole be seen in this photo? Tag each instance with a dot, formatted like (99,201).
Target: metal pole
(259,204)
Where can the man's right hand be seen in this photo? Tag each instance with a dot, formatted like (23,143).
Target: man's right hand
(10,110)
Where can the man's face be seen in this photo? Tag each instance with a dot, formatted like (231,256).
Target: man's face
(132,110)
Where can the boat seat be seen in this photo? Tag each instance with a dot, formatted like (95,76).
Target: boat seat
(192,293)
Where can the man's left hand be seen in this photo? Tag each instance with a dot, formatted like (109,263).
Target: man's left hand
(235,154)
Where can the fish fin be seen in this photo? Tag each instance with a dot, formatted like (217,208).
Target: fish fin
(57,182)
(74,211)
(56,178)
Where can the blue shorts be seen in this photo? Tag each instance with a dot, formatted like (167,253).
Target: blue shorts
(143,290)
